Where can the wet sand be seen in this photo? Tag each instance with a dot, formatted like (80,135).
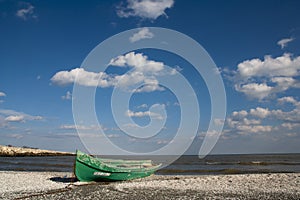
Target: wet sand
(60,185)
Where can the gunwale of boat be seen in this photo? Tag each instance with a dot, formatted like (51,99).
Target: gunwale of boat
(115,165)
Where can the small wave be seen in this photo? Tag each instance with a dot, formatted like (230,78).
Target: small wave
(213,171)
(268,163)
(213,163)
(251,163)
(221,163)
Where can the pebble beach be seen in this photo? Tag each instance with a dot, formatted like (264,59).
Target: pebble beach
(62,185)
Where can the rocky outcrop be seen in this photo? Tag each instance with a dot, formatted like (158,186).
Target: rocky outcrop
(27,151)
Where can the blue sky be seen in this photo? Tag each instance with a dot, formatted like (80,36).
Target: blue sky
(254,44)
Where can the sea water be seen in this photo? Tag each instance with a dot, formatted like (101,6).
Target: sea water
(185,165)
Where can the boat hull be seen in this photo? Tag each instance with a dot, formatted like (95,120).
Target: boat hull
(88,168)
(87,173)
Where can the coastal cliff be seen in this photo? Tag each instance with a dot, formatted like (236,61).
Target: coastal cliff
(27,151)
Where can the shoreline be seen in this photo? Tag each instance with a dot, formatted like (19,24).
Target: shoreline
(61,185)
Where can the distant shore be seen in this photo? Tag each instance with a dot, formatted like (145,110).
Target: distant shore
(61,185)
(11,151)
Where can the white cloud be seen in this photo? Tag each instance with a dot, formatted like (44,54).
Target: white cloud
(146,9)
(4,112)
(292,134)
(290,126)
(253,129)
(247,121)
(262,120)
(176,104)
(263,79)
(26,13)
(245,126)
(67,96)
(15,118)
(138,61)
(218,122)
(283,65)
(142,106)
(68,126)
(240,114)
(15,136)
(2,94)
(255,90)
(288,100)
(132,126)
(82,77)
(36,118)
(150,86)
(130,113)
(164,141)
(260,112)
(143,33)
(113,135)
(284,83)
(292,116)
(81,127)
(3,123)
(283,42)
(143,71)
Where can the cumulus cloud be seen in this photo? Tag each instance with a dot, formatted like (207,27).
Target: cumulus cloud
(163,142)
(260,112)
(67,96)
(113,135)
(151,85)
(263,120)
(283,65)
(240,114)
(149,88)
(5,112)
(143,71)
(290,126)
(262,79)
(254,129)
(26,13)
(138,61)
(142,106)
(15,118)
(2,94)
(289,99)
(145,9)
(139,114)
(245,126)
(255,90)
(8,116)
(143,33)
(130,126)
(80,127)
(81,77)
(283,42)
(284,83)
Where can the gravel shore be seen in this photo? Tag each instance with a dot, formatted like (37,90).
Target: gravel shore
(59,185)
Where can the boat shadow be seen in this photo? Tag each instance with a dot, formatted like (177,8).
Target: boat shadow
(64,179)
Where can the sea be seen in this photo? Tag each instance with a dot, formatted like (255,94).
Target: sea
(185,165)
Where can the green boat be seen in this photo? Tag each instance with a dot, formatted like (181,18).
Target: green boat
(89,168)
